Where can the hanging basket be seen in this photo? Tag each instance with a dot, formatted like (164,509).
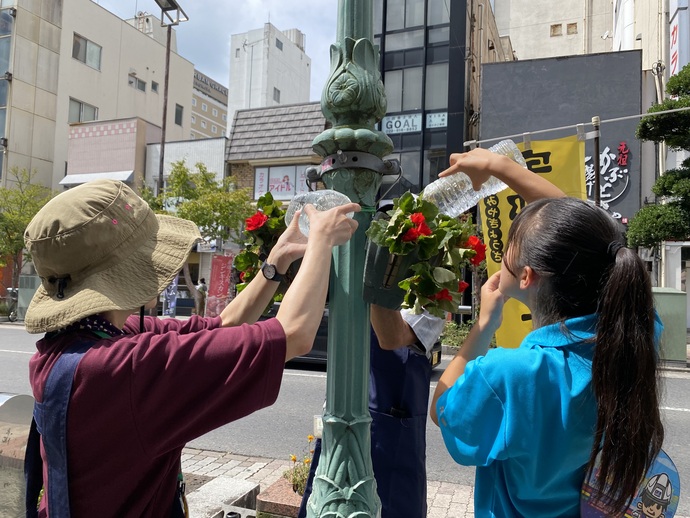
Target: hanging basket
(382,273)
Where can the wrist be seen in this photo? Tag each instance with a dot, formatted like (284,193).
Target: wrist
(279,259)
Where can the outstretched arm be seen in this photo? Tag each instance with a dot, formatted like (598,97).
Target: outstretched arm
(247,306)
(480,164)
(302,307)
(477,342)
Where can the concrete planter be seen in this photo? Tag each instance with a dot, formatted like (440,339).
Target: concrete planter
(278,501)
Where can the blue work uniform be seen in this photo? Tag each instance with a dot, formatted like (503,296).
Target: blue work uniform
(526,418)
(398,401)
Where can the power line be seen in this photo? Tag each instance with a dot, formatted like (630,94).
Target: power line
(474,143)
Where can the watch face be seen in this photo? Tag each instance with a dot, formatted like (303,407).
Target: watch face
(269,271)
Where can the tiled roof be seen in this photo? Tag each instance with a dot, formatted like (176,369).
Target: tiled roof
(274,132)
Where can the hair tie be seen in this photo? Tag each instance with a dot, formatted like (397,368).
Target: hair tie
(613,248)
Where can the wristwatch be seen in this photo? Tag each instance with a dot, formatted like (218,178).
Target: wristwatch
(270,272)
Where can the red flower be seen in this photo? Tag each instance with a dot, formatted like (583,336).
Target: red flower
(256,221)
(462,286)
(242,274)
(480,248)
(420,224)
(424,229)
(417,218)
(411,235)
(444,294)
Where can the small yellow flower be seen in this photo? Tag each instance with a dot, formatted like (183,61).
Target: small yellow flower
(307,461)
(310,437)
(293,458)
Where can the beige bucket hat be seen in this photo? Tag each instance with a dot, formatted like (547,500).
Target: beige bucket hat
(100,247)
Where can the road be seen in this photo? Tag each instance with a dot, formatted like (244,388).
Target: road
(281,430)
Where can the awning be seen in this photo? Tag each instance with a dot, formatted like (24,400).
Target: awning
(77,179)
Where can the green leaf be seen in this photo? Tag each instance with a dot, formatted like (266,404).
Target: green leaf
(245,260)
(441,276)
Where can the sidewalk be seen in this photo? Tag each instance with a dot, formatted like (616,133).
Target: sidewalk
(445,500)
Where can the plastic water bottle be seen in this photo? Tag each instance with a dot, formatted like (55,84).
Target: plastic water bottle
(321,200)
(454,194)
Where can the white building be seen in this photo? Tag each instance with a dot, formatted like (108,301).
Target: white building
(73,61)
(268,67)
(543,29)
(209,108)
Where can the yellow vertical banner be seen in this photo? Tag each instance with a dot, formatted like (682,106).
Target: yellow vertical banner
(562,162)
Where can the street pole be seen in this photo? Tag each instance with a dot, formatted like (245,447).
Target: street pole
(596,123)
(161,164)
(353,100)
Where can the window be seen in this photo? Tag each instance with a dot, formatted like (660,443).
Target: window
(276,95)
(193,119)
(237,53)
(437,12)
(436,93)
(283,182)
(137,83)
(404,89)
(204,107)
(203,124)
(279,44)
(556,30)
(178,114)
(215,112)
(86,51)
(193,101)
(404,40)
(214,128)
(571,28)
(81,112)
(403,14)
(154,86)
(225,117)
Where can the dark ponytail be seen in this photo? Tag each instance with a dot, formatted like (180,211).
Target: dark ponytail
(576,248)
(629,432)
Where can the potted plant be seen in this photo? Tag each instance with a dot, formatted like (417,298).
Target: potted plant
(417,255)
(261,232)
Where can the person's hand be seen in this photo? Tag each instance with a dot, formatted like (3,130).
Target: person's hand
(290,246)
(332,226)
(491,309)
(478,164)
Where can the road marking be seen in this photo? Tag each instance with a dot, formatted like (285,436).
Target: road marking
(299,374)
(16,352)
(674,409)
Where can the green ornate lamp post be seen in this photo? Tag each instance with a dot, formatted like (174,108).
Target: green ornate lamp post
(354,101)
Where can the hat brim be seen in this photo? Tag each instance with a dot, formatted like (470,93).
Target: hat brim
(128,285)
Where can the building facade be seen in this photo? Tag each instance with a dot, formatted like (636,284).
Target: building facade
(431,51)
(73,62)
(268,67)
(543,29)
(209,108)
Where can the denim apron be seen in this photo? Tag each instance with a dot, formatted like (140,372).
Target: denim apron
(398,402)
(50,423)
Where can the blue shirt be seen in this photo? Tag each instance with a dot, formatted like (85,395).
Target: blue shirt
(525,417)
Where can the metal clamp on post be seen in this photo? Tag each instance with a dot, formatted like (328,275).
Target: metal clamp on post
(352,160)
(359,160)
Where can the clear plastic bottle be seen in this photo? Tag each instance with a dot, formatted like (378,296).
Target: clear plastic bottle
(321,200)
(454,194)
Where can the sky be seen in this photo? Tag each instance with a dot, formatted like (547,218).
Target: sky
(205,38)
